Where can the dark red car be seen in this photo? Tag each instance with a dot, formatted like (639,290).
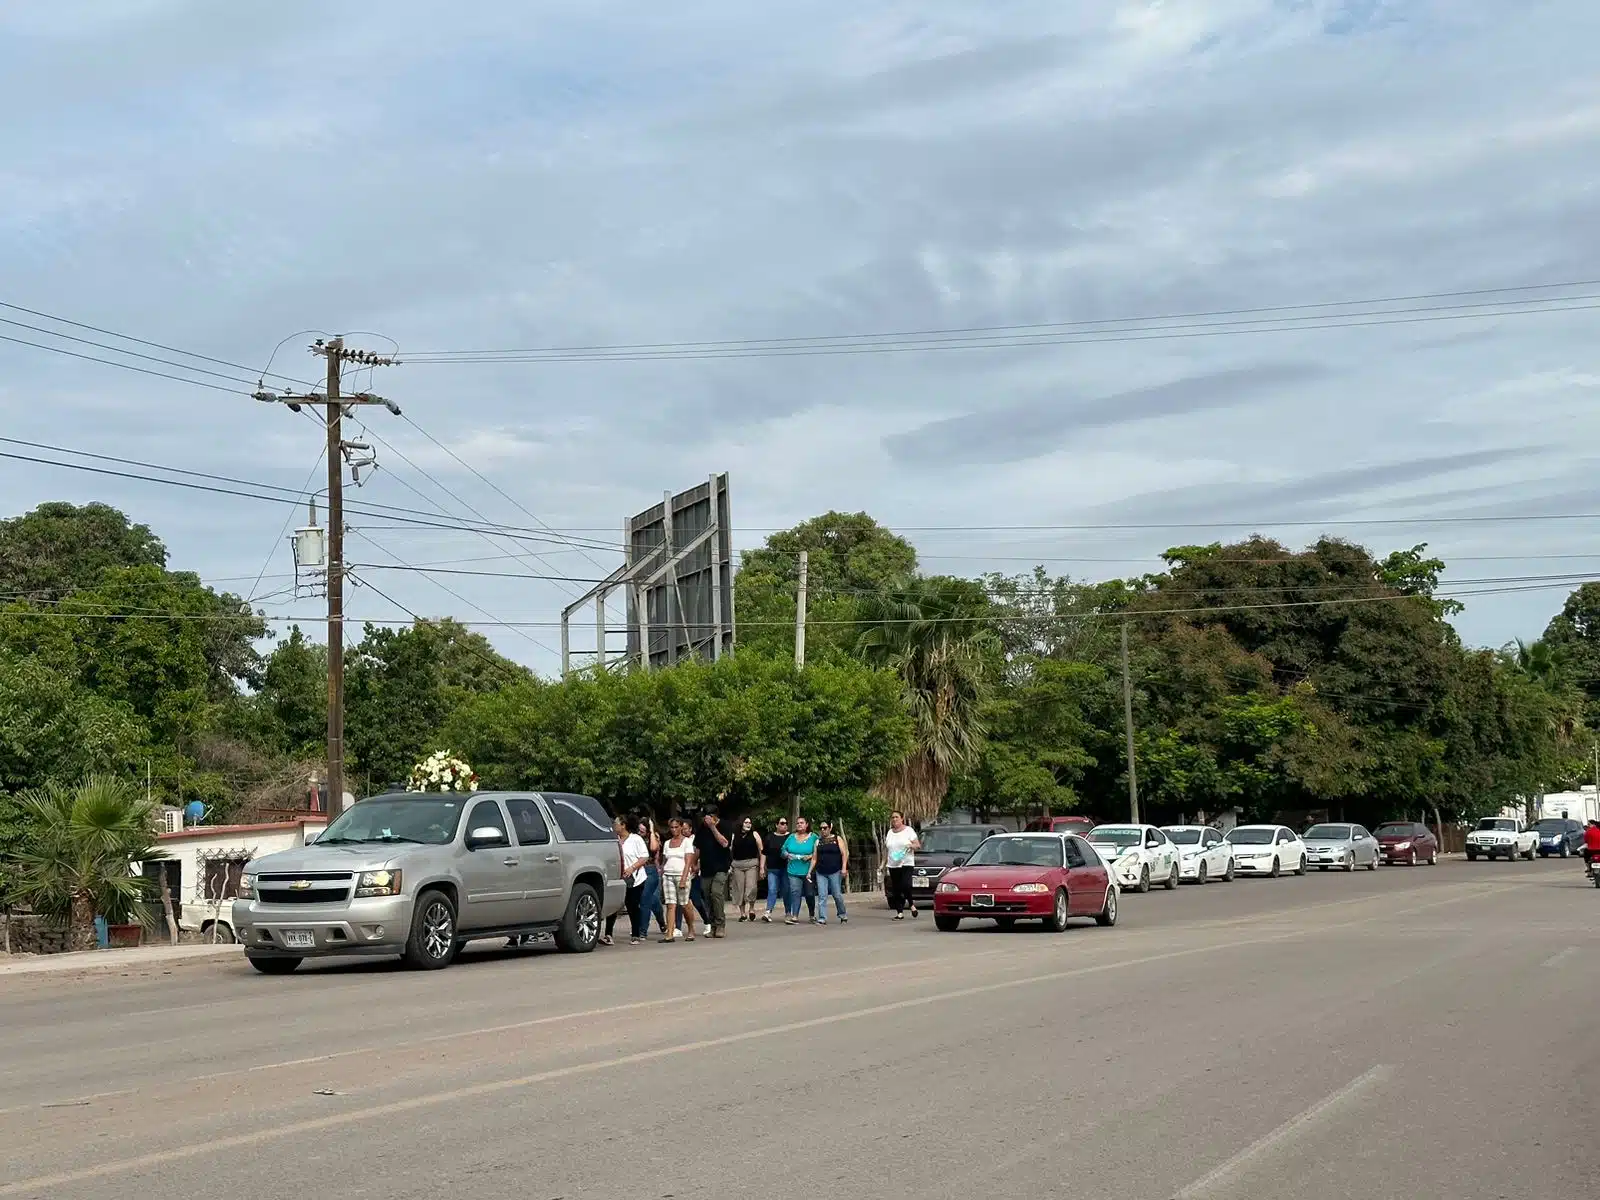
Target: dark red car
(1049,877)
(1078,825)
(1408,842)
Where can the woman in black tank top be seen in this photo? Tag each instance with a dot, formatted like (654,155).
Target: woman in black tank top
(833,858)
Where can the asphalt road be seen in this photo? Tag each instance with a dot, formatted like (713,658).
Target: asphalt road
(1410,1033)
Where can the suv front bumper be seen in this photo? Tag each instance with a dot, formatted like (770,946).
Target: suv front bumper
(375,925)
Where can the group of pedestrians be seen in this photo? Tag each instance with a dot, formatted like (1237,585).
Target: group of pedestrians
(695,869)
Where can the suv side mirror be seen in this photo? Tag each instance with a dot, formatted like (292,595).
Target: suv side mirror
(485,836)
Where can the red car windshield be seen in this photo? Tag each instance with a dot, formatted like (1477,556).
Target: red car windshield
(1395,831)
(1018,852)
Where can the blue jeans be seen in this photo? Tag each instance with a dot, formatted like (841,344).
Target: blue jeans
(830,884)
(650,904)
(795,893)
(777,889)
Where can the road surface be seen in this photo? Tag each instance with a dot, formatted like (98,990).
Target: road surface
(1410,1033)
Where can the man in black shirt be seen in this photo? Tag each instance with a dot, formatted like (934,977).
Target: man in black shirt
(716,860)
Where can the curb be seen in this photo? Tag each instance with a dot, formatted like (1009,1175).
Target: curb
(95,960)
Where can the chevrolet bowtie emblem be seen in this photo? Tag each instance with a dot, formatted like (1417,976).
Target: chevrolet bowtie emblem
(300,885)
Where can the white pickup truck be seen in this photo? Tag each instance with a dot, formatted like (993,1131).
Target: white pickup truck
(1502,837)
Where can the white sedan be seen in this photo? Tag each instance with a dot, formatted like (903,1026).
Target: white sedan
(1203,853)
(1267,850)
(1136,855)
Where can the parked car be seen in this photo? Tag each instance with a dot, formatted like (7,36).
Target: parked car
(1267,850)
(1561,836)
(1050,877)
(420,874)
(1137,855)
(1407,842)
(1203,853)
(1343,846)
(1502,837)
(943,847)
(1078,825)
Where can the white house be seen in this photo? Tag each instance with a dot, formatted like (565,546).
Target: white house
(205,862)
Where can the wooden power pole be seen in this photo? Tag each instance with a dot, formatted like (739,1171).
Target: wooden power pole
(334,405)
(1127,728)
(800,613)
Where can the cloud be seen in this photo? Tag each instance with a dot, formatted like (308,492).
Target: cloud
(1011,433)
(592,173)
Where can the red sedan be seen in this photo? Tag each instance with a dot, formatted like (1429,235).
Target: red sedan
(1049,877)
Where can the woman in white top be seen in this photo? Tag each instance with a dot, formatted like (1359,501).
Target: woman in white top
(900,845)
(635,854)
(678,861)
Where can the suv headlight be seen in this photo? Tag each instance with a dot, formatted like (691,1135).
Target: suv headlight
(247,888)
(1031,889)
(378,883)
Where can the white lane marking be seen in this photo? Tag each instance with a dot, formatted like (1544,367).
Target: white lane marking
(44,1183)
(1561,957)
(1222,1178)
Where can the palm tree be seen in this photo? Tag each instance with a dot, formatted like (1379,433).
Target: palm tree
(1535,660)
(78,849)
(929,632)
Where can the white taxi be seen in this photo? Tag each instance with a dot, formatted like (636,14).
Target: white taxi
(1137,855)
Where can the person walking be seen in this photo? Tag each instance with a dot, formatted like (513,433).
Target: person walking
(677,873)
(833,859)
(748,863)
(901,846)
(777,875)
(634,855)
(800,853)
(650,902)
(715,852)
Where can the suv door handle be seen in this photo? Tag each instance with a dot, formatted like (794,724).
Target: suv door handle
(552,858)
(511,862)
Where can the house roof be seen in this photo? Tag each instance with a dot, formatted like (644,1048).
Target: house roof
(204,831)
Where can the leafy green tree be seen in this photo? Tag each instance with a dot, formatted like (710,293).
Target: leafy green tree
(61,548)
(52,727)
(931,633)
(849,557)
(79,844)
(750,729)
(401,685)
(293,700)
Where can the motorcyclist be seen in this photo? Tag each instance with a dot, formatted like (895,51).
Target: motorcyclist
(1591,842)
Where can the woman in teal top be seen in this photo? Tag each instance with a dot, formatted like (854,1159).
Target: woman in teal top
(800,852)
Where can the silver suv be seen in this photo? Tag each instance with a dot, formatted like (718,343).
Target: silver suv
(419,874)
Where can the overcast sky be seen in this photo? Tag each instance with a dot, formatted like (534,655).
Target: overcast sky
(221,177)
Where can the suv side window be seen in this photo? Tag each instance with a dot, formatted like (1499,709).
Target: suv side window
(580,818)
(485,814)
(529,822)
(1075,855)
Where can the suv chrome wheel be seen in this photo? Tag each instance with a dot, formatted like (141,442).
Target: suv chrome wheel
(588,917)
(438,928)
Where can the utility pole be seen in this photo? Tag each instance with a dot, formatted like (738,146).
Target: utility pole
(800,614)
(1127,725)
(334,405)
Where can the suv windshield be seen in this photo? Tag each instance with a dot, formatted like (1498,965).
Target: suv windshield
(1018,852)
(1251,837)
(1499,824)
(1551,825)
(1119,836)
(1328,833)
(431,820)
(1184,837)
(951,839)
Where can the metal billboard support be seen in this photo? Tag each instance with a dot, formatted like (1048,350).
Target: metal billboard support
(677,581)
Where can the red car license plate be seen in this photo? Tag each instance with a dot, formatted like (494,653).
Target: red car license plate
(982,901)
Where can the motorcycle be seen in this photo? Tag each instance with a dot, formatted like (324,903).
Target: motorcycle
(1593,870)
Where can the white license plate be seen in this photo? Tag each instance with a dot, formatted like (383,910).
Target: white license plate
(922,883)
(982,901)
(299,939)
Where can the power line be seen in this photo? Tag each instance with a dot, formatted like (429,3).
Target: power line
(1020,341)
(215,387)
(983,329)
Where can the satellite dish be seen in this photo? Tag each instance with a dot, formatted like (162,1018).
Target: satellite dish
(194,811)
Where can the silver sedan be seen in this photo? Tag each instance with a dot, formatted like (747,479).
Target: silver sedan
(1344,847)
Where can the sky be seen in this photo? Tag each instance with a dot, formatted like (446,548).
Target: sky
(237,180)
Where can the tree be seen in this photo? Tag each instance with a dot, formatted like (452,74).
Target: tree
(52,727)
(61,548)
(401,685)
(930,633)
(292,703)
(849,556)
(750,729)
(80,842)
